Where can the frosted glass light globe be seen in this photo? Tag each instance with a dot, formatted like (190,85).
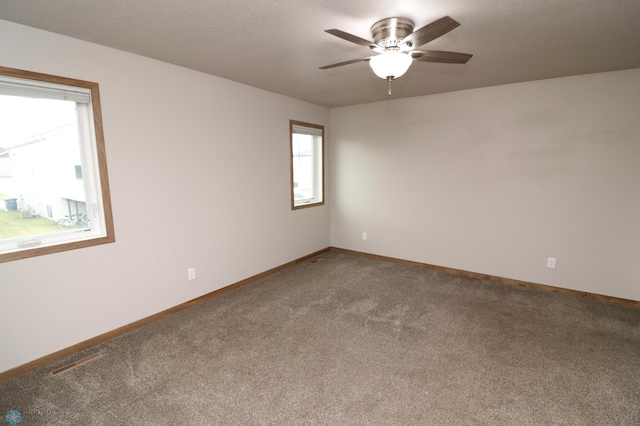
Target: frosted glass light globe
(390,64)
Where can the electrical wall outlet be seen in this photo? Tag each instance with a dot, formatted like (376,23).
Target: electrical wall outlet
(191,274)
(364,236)
(551,262)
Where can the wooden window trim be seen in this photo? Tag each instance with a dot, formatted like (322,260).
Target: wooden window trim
(105,193)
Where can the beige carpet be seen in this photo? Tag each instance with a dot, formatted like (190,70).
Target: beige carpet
(348,340)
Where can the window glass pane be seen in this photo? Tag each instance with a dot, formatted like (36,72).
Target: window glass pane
(39,151)
(303,167)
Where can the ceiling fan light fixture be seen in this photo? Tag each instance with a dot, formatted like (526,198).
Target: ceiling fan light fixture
(390,64)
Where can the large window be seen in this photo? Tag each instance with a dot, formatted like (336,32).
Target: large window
(307,165)
(54,192)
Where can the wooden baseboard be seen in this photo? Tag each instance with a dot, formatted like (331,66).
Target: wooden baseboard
(87,344)
(509,281)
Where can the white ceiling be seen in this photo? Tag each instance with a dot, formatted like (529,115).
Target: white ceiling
(278,45)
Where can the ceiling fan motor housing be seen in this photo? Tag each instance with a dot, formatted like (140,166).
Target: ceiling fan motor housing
(389,32)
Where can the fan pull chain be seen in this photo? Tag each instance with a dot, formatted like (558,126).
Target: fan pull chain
(389,80)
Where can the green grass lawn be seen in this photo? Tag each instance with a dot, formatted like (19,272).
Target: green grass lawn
(12,225)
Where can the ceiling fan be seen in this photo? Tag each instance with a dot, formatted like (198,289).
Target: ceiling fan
(395,45)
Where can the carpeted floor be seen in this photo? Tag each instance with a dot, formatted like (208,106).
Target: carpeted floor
(348,340)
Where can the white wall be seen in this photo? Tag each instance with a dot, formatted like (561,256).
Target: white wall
(199,177)
(496,180)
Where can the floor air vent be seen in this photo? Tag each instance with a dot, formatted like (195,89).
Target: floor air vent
(75,364)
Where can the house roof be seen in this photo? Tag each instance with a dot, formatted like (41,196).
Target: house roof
(278,45)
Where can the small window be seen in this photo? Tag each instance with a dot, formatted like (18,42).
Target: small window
(54,190)
(307,165)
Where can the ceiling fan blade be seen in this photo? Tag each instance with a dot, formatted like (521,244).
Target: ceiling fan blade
(431,31)
(339,64)
(440,56)
(352,38)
